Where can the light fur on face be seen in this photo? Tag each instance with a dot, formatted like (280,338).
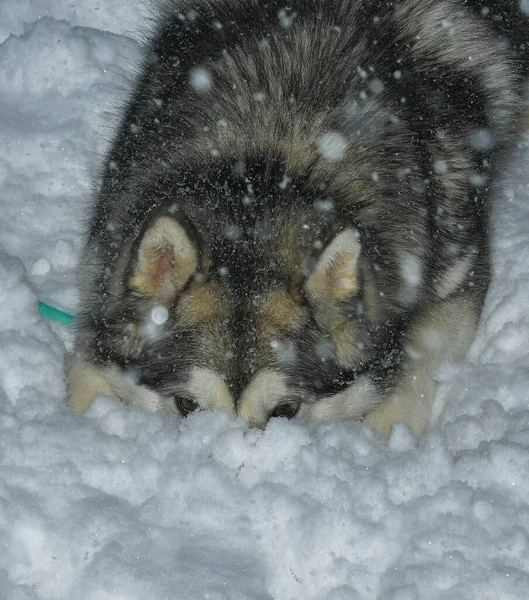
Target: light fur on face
(264,392)
(208,389)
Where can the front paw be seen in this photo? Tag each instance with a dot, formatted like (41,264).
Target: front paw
(85,381)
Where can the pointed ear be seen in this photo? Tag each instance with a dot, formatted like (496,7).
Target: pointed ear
(166,259)
(335,276)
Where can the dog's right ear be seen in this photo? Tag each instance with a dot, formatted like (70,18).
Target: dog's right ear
(166,259)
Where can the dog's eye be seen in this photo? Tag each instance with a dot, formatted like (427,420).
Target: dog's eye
(185,405)
(286,410)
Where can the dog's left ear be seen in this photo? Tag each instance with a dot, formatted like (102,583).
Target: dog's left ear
(166,259)
(335,276)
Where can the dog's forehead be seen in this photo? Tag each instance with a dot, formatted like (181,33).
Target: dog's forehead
(278,311)
(240,330)
(204,305)
(259,323)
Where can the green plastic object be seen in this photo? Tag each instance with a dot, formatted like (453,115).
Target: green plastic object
(55,314)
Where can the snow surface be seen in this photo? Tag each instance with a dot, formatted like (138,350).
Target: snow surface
(118,504)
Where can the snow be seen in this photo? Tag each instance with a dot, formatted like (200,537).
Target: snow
(120,504)
(332,145)
(159,315)
(411,273)
(482,139)
(200,79)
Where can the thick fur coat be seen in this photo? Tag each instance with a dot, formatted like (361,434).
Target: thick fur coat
(294,215)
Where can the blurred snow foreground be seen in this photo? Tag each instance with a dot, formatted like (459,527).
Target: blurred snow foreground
(118,504)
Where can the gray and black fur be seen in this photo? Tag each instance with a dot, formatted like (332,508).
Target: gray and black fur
(327,168)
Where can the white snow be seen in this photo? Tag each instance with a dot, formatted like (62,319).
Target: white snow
(411,273)
(440,166)
(200,79)
(120,504)
(159,314)
(332,145)
(482,139)
(286,17)
(376,85)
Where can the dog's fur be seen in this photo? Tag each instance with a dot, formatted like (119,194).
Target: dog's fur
(294,215)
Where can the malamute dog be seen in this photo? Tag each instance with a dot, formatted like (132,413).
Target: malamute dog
(294,215)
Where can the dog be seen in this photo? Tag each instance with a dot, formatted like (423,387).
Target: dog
(294,213)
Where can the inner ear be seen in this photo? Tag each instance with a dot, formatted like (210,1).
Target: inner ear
(166,259)
(335,276)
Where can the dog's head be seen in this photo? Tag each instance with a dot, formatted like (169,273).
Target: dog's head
(249,294)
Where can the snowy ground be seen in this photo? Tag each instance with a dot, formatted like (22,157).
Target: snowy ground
(117,504)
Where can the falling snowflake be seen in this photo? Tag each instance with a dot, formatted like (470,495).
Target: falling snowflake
(159,315)
(332,145)
(200,79)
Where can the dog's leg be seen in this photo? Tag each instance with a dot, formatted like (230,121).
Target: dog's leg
(442,334)
(85,380)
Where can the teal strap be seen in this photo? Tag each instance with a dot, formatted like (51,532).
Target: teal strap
(55,314)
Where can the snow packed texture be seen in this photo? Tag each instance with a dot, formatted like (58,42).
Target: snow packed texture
(118,504)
